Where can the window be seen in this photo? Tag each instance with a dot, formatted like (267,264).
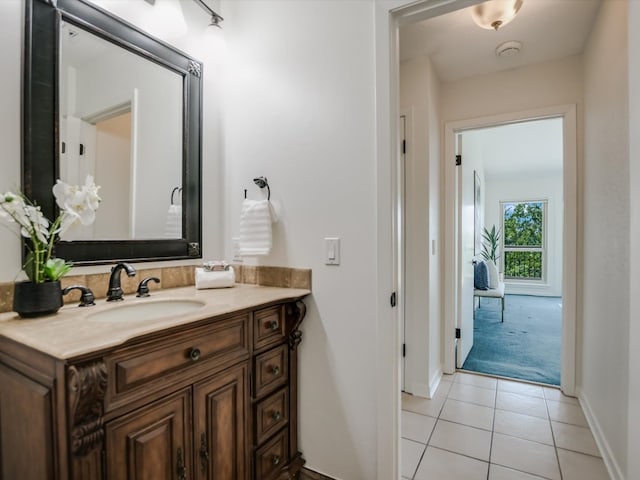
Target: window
(523,225)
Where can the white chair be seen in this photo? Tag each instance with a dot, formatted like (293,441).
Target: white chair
(497,292)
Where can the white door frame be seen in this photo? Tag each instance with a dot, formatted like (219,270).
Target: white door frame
(388,16)
(569,243)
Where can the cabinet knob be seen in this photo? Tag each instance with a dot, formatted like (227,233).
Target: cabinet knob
(275,460)
(276,416)
(275,370)
(194,354)
(273,325)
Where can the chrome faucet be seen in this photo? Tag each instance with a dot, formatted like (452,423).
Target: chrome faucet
(115,290)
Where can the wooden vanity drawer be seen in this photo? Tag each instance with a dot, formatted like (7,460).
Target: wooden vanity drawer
(271,414)
(268,326)
(271,370)
(272,455)
(139,369)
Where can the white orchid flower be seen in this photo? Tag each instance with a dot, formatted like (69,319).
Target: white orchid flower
(77,205)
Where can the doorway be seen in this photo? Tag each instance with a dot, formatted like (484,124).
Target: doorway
(510,204)
(454,298)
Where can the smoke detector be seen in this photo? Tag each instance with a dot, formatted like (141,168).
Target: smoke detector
(509,49)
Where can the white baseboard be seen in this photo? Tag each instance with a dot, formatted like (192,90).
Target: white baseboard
(435,383)
(420,389)
(605,450)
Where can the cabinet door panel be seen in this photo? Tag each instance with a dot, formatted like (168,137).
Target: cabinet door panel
(152,443)
(26,436)
(220,406)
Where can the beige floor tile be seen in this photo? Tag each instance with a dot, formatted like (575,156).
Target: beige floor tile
(567,413)
(461,439)
(521,388)
(443,388)
(471,394)
(573,437)
(577,466)
(421,405)
(411,452)
(524,455)
(442,465)
(417,427)
(468,414)
(514,402)
(523,426)
(475,380)
(497,472)
(557,396)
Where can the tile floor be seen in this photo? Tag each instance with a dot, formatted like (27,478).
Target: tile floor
(482,428)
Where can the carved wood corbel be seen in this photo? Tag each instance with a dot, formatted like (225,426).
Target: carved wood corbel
(295,313)
(86,387)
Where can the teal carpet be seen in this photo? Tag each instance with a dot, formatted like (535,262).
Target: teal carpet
(526,346)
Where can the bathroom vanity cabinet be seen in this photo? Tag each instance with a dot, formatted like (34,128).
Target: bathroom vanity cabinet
(214,398)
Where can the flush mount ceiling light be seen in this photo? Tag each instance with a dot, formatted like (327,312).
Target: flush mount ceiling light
(495,13)
(509,49)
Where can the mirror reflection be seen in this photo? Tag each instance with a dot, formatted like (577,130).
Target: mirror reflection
(121,120)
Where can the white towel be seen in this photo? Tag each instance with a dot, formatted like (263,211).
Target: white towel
(255,228)
(223,279)
(173,228)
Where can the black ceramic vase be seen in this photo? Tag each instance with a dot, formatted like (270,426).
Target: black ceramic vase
(36,299)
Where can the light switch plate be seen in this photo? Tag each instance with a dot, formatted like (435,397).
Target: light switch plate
(332,251)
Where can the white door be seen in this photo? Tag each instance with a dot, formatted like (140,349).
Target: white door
(402,242)
(466,196)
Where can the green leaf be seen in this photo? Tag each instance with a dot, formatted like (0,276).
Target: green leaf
(29,266)
(56,268)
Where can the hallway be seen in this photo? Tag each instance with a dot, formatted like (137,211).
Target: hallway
(479,428)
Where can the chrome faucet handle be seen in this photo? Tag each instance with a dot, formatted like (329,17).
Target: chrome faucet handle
(86,297)
(143,287)
(115,292)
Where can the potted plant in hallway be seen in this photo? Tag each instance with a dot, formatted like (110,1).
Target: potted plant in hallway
(41,294)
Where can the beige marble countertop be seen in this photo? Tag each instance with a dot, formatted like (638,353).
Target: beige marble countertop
(73,332)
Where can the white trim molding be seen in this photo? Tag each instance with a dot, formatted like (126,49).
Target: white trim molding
(569,261)
(609,459)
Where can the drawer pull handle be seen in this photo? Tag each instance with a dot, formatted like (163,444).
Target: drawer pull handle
(204,453)
(275,370)
(181,470)
(194,354)
(276,416)
(273,325)
(275,460)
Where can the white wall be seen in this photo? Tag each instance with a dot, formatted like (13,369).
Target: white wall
(543,187)
(300,109)
(605,313)
(11,39)
(419,97)
(633,420)
(113,174)
(547,84)
(199,41)
(435,243)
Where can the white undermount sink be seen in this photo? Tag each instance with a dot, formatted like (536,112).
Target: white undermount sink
(147,310)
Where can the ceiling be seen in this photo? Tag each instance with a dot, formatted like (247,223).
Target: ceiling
(458,48)
(520,149)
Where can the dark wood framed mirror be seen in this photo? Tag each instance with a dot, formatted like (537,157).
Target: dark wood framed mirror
(48,26)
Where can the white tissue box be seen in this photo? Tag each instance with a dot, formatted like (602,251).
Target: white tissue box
(220,279)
